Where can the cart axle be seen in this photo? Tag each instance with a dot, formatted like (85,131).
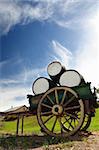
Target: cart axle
(57,110)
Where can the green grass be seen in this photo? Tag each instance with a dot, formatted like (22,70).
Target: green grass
(31,125)
(94,126)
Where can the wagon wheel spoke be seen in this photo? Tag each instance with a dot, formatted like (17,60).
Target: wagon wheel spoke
(46,113)
(53,116)
(54,124)
(45,105)
(50,99)
(65,128)
(63,98)
(66,120)
(77,118)
(77,115)
(48,118)
(56,96)
(70,100)
(72,108)
(74,122)
(69,122)
(71,115)
(61,126)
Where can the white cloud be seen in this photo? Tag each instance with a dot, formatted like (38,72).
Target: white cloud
(16,12)
(86,57)
(8,97)
(9,15)
(61,53)
(8,62)
(13,90)
(27,76)
(8,81)
(32,74)
(85,60)
(2,63)
(69,12)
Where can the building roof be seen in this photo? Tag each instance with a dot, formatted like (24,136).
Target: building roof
(18,109)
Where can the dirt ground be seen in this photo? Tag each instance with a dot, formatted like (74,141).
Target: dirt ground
(83,141)
(80,141)
(89,143)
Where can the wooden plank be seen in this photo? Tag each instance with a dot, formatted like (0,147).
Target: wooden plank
(22,124)
(17,127)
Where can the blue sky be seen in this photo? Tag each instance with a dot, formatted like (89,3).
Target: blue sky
(35,32)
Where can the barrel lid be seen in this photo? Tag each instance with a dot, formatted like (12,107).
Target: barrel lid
(70,78)
(54,68)
(40,85)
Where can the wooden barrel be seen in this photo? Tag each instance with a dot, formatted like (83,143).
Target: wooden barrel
(71,78)
(41,85)
(55,70)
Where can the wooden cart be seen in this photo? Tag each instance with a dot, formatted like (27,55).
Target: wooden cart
(62,111)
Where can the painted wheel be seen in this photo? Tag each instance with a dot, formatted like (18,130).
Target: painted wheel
(60,113)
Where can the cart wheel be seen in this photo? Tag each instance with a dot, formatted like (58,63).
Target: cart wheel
(60,113)
(87,122)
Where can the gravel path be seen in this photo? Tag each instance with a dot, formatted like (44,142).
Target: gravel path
(88,142)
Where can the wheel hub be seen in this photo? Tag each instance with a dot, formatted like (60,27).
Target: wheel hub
(57,109)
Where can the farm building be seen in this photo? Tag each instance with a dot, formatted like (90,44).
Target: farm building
(15,113)
(15,110)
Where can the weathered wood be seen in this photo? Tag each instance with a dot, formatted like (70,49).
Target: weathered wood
(22,124)
(87,107)
(17,127)
(59,112)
